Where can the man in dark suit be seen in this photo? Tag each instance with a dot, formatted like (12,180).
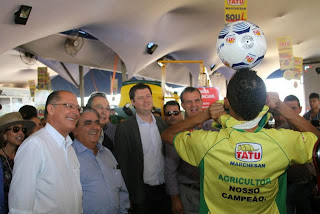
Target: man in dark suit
(139,152)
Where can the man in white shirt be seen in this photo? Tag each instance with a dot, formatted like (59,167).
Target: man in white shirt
(46,174)
(139,152)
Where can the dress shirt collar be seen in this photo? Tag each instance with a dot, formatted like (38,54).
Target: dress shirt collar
(60,140)
(81,148)
(101,138)
(141,122)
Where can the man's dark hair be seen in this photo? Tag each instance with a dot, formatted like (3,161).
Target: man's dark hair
(291,98)
(138,87)
(156,110)
(94,95)
(190,90)
(314,95)
(246,94)
(28,112)
(52,98)
(88,109)
(171,103)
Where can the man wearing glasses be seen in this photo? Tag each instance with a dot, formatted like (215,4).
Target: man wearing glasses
(100,103)
(46,173)
(182,179)
(172,112)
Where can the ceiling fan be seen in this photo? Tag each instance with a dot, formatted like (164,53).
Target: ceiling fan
(27,58)
(73,43)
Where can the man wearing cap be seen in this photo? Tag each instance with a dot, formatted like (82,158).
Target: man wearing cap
(46,175)
(12,130)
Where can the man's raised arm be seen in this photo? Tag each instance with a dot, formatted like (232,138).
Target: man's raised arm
(293,118)
(214,112)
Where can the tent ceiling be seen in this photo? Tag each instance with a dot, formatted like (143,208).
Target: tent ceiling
(185,29)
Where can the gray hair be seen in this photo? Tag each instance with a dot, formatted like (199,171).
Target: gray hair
(94,95)
(88,109)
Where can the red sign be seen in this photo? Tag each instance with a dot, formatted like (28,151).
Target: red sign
(235,2)
(209,95)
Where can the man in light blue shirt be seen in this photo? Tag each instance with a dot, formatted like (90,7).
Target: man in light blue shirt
(104,190)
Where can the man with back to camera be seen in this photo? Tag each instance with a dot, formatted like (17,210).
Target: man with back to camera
(183,179)
(314,113)
(104,191)
(46,173)
(300,176)
(100,103)
(243,166)
(139,152)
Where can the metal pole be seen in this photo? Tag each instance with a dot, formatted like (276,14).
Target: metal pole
(123,71)
(68,72)
(163,79)
(81,78)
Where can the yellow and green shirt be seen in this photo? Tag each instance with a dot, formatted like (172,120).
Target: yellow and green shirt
(244,172)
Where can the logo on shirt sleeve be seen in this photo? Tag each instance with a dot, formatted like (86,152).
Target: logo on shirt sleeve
(248,152)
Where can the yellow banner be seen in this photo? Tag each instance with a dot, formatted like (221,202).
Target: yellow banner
(285,43)
(286,59)
(235,10)
(48,82)
(296,75)
(298,64)
(285,53)
(32,87)
(42,76)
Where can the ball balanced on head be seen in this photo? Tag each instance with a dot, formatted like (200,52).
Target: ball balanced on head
(241,44)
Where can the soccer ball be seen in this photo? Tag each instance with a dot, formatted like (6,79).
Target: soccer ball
(241,44)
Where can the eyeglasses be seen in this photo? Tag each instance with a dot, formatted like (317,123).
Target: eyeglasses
(169,113)
(16,129)
(67,105)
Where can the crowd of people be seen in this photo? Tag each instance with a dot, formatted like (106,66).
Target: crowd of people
(223,159)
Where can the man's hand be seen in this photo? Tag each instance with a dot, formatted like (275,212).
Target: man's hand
(273,100)
(292,117)
(216,110)
(176,205)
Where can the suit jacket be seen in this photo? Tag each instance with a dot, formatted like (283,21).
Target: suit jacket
(129,154)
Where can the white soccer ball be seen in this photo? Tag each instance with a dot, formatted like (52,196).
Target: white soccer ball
(241,44)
